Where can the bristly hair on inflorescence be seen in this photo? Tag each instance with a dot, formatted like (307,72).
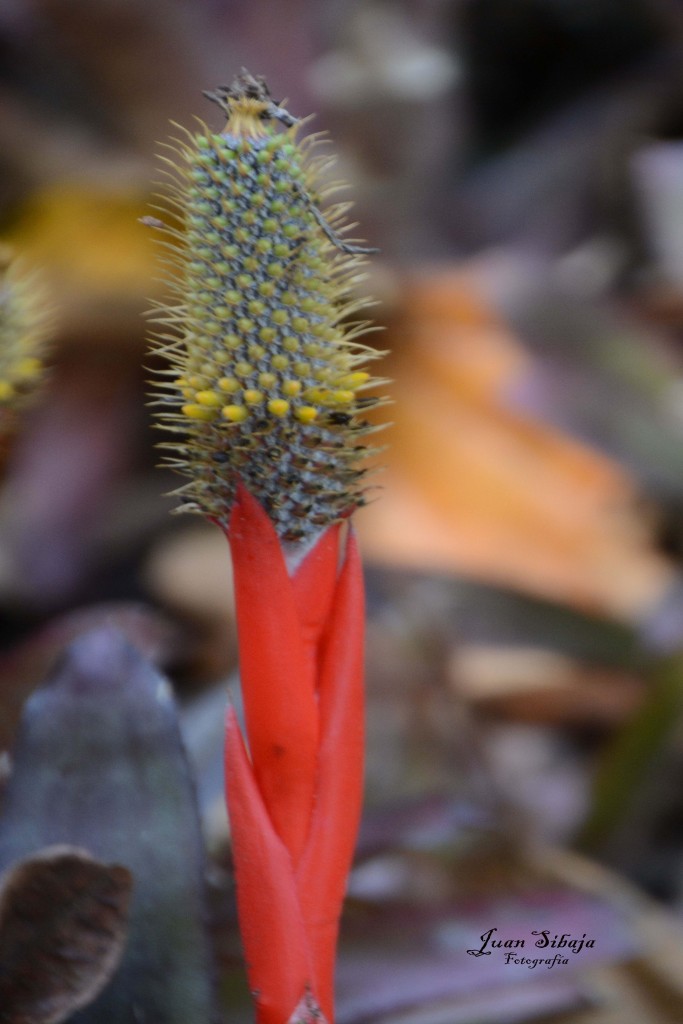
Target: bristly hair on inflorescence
(265,383)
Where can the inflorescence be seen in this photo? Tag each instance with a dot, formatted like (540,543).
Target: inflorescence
(267,383)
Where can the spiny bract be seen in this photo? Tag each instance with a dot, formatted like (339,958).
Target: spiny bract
(24,327)
(265,383)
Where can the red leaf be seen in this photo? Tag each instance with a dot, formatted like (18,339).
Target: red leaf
(324,868)
(278,682)
(314,585)
(275,943)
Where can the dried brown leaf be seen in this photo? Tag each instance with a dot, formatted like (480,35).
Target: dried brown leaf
(63,926)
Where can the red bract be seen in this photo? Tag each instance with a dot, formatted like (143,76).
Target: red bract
(294,799)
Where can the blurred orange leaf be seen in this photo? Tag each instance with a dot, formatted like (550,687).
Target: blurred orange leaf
(477,487)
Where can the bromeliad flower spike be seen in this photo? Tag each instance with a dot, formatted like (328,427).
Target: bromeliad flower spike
(268,394)
(265,384)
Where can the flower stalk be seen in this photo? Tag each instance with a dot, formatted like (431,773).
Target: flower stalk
(295,802)
(267,390)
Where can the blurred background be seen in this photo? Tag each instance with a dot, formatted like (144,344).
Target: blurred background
(520,166)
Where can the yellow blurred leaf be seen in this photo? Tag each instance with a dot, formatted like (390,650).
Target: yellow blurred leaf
(98,260)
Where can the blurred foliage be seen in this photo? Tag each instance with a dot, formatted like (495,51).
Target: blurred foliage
(524,62)
(102,275)
(521,167)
